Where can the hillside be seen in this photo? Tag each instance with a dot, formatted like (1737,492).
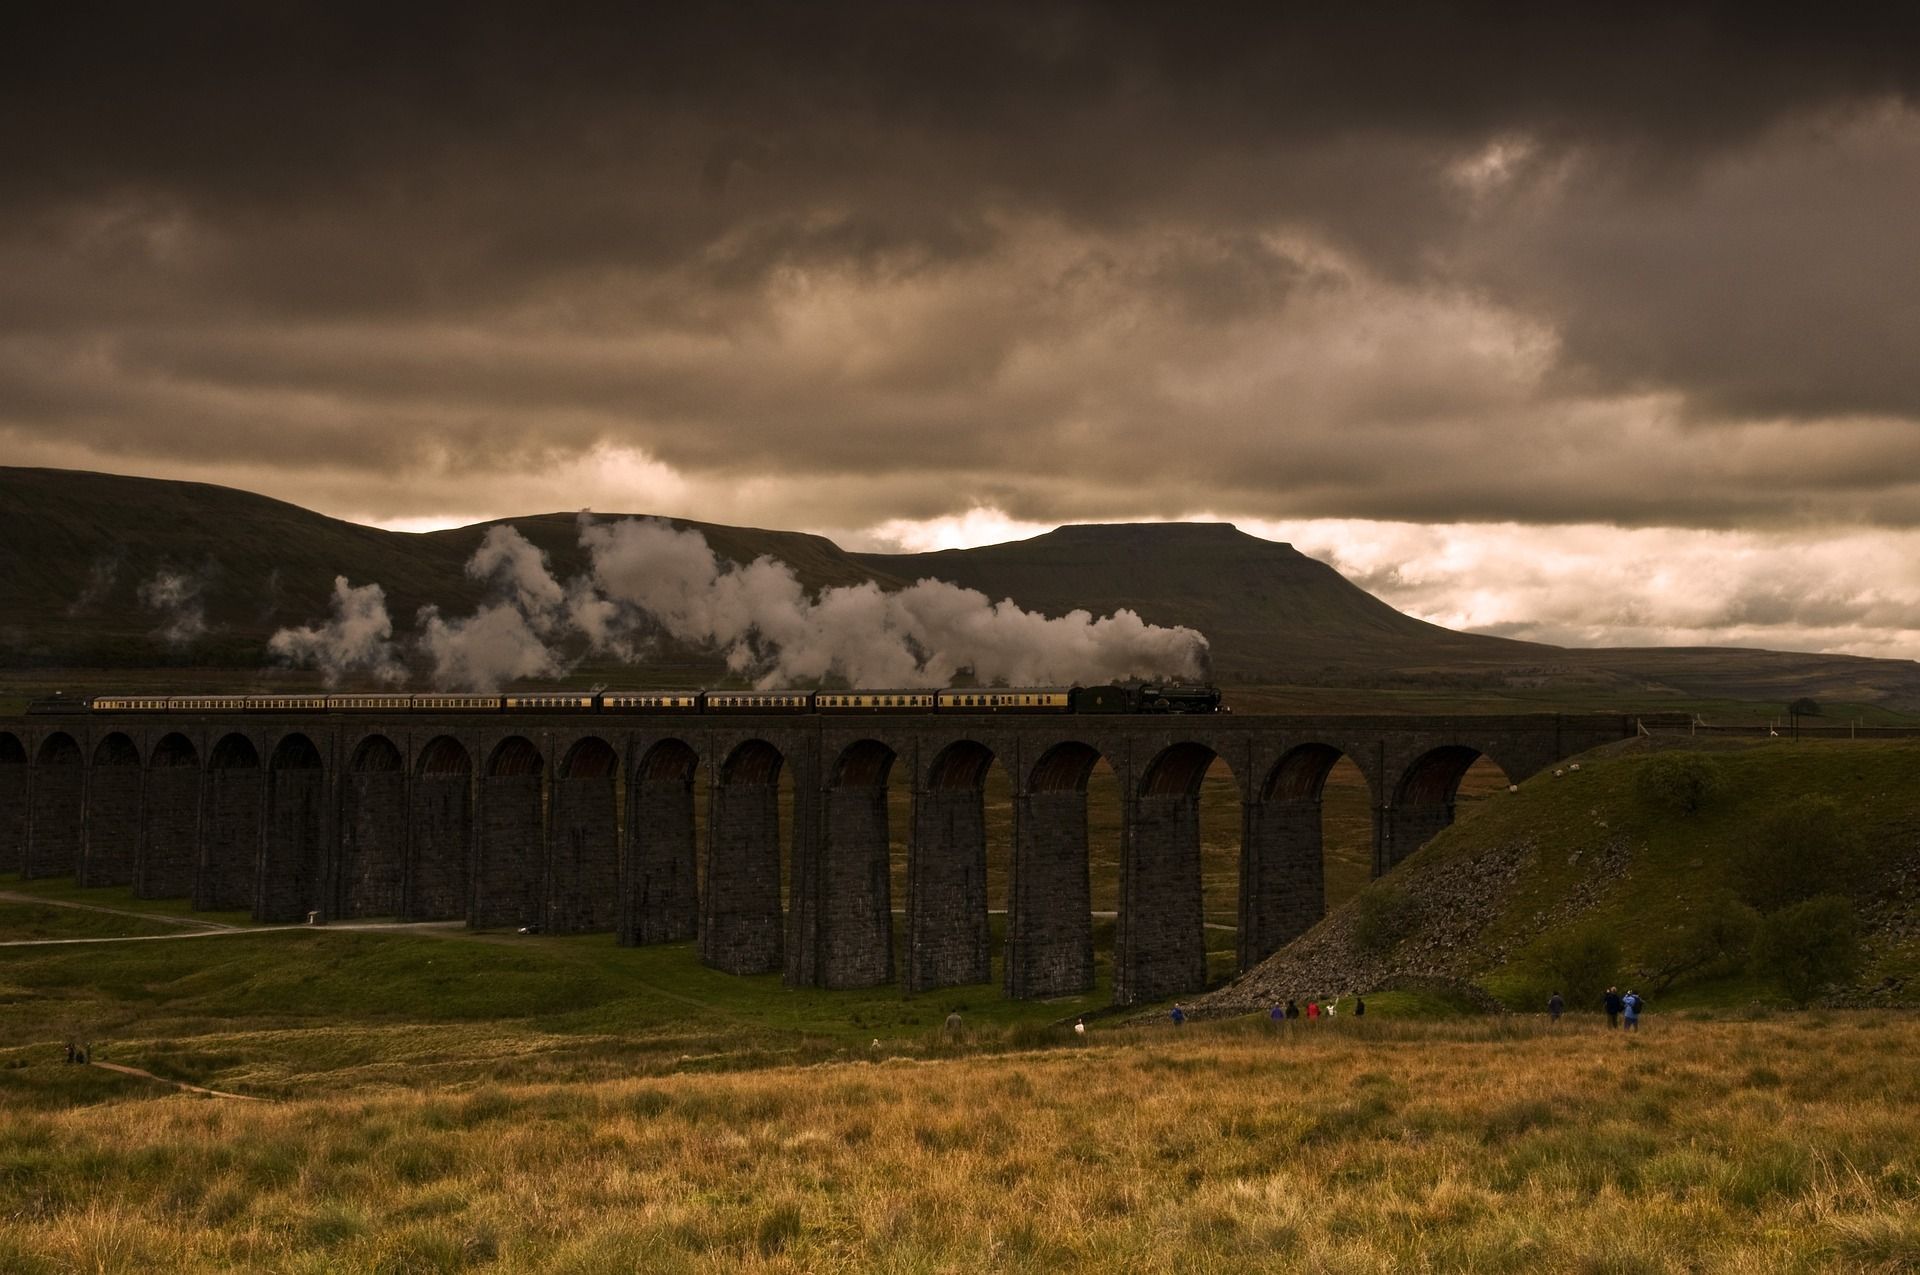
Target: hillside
(102,570)
(1269,609)
(1588,856)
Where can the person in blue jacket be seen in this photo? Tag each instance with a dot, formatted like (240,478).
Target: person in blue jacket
(1630,1006)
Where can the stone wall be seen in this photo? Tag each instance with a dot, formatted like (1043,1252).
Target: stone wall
(1050,920)
(584,857)
(172,827)
(948,940)
(1283,888)
(857,906)
(293,861)
(57,834)
(13,812)
(740,907)
(113,814)
(509,877)
(662,902)
(229,839)
(1160,945)
(441,844)
(373,844)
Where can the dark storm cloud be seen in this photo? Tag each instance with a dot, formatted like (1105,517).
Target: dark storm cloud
(1068,261)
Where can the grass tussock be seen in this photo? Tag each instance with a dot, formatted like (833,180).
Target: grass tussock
(1463,1146)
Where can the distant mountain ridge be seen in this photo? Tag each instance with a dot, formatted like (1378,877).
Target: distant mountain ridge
(84,556)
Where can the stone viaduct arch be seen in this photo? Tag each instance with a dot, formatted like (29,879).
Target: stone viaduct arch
(113,813)
(660,901)
(14,774)
(522,822)
(949,937)
(171,824)
(57,831)
(740,914)
(1050,913)
(440,831)
(371,880)
(230,825)
(583,855)
(291,881)
(508,872)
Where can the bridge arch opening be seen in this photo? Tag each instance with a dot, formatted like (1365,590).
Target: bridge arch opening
(231,815)
(113,813)
(660,897)
(1309,846)
(295,752)
(234,752)
(748,872)
(373,832)
(115,750)
(376,755)
(440,832)
(174,750)
(510,859)
(12,751)
(166,858)
(1434,792)
(590,758)
(444,756)
(54,837)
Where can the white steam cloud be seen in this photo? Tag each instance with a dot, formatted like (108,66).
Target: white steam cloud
(647,576)
(177,597)
(358,639)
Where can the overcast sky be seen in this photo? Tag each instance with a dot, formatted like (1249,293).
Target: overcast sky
(1602,330)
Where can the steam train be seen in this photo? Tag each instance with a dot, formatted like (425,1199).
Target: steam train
(1140,697)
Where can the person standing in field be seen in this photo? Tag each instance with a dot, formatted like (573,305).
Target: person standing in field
(1293,1008)
(1555,1008)
(1178,1015)
(1630,1005)
(1080,1030)
(1313,1010)
(1359,1007)
(1613,1005)
(1277,1015)
(954,1025)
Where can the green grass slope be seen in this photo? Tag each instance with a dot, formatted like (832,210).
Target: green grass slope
(1586,858)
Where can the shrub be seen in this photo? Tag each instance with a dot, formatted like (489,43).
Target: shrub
(1808,846)
(1679,783)
(1809,945)
(1579,963)
(1382,916)
(1717,941)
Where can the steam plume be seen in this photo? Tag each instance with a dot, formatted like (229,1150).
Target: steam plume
(647,576)
(358,639)
(177,597)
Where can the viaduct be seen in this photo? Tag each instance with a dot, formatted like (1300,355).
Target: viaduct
(586,822)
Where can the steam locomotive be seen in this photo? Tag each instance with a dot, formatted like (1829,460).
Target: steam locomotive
(1139,697)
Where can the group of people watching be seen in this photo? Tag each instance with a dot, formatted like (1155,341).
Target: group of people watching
(1619,1008)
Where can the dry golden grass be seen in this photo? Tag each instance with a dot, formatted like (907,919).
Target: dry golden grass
(1780,1145)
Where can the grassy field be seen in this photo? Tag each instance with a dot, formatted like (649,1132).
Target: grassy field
(1490,1145)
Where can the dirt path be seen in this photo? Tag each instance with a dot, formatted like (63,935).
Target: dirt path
(14,896)
(227,931)
(177,1084)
